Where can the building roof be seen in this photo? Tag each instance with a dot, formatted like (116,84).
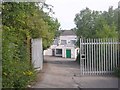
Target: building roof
(67,33)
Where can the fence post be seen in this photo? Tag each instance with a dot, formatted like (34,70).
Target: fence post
(37,54)
(80,58)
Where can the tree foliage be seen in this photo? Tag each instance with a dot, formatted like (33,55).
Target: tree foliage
(32,21)
(23,21)
(97,24)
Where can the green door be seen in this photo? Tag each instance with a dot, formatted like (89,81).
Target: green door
(68,53)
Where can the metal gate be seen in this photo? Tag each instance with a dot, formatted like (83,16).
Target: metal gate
(99,56)
(37,53)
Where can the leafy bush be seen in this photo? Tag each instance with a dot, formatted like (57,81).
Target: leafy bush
(17,74)
(21,22)
(16,69)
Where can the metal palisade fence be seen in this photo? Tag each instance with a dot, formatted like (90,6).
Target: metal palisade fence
(99,56)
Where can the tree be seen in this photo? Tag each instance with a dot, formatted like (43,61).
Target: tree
(21,22)
(96,24)
(32,21)
(85,22)
(107,31)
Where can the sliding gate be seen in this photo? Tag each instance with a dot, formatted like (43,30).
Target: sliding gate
(99,56)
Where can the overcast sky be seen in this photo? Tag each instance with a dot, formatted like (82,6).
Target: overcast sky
(65,10)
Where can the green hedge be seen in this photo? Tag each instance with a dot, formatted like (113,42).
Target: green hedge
(17,72)
(22,21)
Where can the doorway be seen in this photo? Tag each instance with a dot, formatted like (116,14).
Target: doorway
(68,53)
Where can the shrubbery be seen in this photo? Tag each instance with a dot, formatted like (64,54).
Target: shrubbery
(16,69)
(21,22)
(17,74)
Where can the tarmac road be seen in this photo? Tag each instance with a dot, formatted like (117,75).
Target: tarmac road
(65,73)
